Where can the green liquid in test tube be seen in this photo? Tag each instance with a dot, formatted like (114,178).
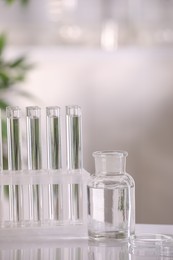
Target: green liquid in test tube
(34,160)
(1,169)
(54,160)
(74,157)
(14,161)
(1,152)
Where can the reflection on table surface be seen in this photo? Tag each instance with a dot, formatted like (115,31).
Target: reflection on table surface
(74,250)
(64,250)
(11,248)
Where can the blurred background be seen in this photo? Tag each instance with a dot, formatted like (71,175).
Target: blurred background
(114,58)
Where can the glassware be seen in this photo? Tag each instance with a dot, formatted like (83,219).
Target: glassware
(74,137)
(1,169)
(111,196)
(74,157)
(34,160)
(37,202)
(54,138)
(1,151)
(14,161)
(14,138)
(54,160)
(34,138)
(150,245)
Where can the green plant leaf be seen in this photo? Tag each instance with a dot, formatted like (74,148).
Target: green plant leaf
(24,2)
(20,63)
(9,1)
(2,42)
(24,93)
(11,72)
(3,104)
(17,62)
(4,80)
(19,77)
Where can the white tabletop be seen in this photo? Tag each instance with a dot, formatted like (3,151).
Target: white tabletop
(71,249)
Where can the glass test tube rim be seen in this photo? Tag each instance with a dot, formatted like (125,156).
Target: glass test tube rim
(33,112)
(53,111)
(13,112)
(73,110)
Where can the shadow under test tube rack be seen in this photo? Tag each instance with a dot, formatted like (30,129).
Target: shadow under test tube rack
(38,202)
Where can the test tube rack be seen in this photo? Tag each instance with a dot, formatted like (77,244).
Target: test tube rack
(44,203)
(66,226)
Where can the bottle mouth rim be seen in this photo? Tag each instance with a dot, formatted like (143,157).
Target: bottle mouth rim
(117,153)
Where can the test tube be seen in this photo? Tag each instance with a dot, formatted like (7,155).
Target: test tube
(54,159)
(34,159)
(1,151)
(74,137)
(14,161)
(54,137)
(33,137)
(1,169)
(74,156)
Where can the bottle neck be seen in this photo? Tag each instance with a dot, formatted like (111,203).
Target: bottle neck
(110,162)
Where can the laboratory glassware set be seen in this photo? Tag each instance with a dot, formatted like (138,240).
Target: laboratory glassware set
(43,202)
(67,202)
(62,201)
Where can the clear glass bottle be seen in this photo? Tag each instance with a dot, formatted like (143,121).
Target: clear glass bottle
(111,197)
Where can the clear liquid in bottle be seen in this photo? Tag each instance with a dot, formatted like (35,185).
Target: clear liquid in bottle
(111,197)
